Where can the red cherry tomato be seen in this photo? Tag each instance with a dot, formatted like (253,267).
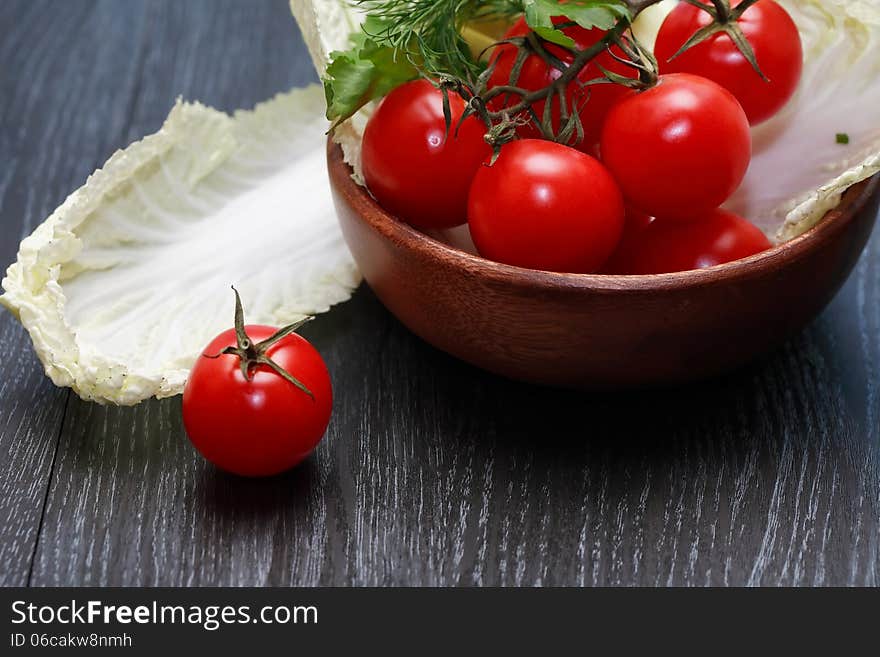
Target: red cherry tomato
(634,223)
(545,206)
(773,36)
(593,101)
(678,149)
(664,247)
(263,425)
(411,166)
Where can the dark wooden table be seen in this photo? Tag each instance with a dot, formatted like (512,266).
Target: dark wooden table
(432,472)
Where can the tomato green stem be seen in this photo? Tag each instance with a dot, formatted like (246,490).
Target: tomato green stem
(724,19)
(251,355)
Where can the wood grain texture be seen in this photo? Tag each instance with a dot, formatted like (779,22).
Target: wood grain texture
(432,472)
(31,410)
(59,118)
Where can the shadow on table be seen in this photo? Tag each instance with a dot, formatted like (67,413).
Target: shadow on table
(257,498)
(411,401)
(549,420)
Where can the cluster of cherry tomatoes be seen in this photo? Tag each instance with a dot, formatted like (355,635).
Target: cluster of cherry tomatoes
(640,192)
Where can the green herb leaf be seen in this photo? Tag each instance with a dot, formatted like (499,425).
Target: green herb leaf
(602,14)
(430,30)
(366,72)
(842,138)
(400,40)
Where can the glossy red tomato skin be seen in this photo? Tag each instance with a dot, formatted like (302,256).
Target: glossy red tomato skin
(409,164)
(678,149)
(594,101)
(260,427)
(545,206)
(634,223)
(672,246)
(773,36)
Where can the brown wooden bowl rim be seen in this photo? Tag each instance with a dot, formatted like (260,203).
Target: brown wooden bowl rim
(835,221)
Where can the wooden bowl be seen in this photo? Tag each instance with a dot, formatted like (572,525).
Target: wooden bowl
(591,331)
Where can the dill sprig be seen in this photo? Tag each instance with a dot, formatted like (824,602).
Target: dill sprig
(401,40)
(428,32)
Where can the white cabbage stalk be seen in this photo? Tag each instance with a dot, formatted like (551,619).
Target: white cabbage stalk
(798,170)
(124,284)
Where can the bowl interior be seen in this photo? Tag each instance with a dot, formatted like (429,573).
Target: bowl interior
(456,245)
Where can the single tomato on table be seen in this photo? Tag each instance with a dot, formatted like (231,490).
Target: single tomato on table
(773,37)
(678,149)
(412,166)
(664,247)
(545,206)
(258,399)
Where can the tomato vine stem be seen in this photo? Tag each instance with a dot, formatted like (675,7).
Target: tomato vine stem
(724,19)
(252,355)
(501,123)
